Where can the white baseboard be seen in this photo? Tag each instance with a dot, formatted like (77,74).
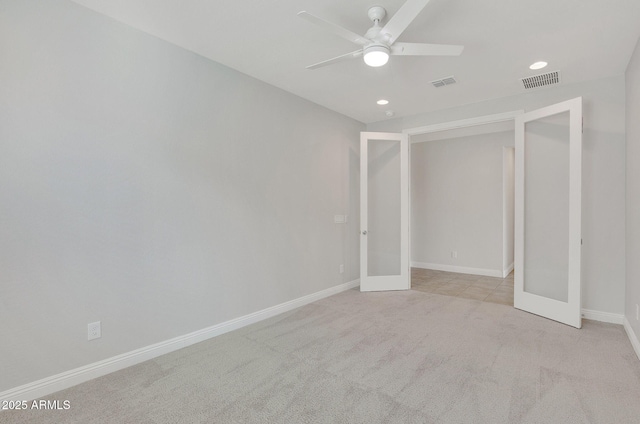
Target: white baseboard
(633,338)
(459,269)
(507,271)
(602,316)
(49,385)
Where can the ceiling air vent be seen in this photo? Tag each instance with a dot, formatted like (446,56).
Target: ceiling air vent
(444,81)
(541,80)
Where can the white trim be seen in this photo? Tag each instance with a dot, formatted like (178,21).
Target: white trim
(462,123)
(64,380)
(602,316)
(632,336)
(459,269)
(507,270)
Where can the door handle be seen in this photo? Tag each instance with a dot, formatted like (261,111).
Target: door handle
(364,233)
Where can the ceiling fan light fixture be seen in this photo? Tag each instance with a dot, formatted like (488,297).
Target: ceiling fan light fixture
(376,55)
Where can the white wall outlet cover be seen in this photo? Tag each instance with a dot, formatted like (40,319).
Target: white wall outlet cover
(94,330)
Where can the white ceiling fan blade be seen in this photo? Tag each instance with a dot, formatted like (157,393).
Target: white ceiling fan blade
(338,30)
(336,59)
(421,49)
(403,17)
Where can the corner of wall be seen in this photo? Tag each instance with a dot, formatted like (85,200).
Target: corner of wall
(632,197)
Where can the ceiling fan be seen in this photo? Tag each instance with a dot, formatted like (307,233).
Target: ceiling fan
(380,42)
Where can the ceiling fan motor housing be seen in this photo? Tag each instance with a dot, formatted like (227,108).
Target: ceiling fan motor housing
(377,13)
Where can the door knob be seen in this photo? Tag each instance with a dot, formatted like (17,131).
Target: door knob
(364,233)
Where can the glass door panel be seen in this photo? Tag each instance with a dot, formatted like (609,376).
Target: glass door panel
(546,216)
(383,230)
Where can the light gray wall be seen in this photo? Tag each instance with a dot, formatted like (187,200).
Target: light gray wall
(633,190)
(147,187)
(603,198)
(457,201)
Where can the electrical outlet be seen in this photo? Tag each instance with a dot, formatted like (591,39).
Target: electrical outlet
(341,269)
(94,330)
(454,254)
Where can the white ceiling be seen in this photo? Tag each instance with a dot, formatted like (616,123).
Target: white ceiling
(584,39)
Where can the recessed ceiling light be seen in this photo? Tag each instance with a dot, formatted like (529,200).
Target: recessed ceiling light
(383,102)
(538,65)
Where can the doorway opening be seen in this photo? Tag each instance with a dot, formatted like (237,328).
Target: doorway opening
(462,211)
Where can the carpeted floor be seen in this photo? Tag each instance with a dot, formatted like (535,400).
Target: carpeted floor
(399,357)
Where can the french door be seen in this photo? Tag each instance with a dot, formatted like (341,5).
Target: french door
(384,212)
(548,167)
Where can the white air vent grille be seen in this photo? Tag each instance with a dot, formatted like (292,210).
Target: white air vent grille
(541,80)
(444,81)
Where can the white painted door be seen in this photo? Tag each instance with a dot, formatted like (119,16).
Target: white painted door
(384,212)
(548,149)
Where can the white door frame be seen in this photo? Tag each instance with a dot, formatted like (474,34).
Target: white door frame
(402,281)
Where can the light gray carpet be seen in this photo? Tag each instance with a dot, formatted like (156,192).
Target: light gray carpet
(401,357)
